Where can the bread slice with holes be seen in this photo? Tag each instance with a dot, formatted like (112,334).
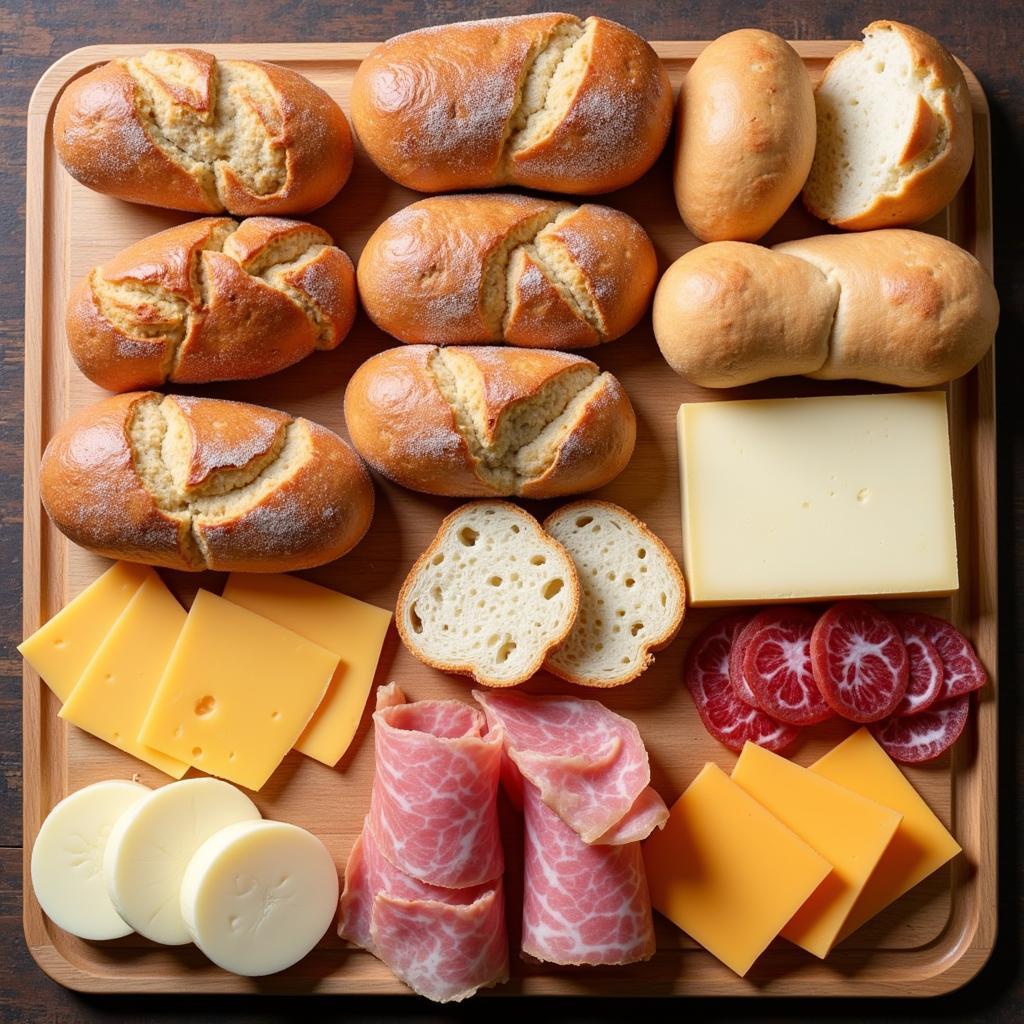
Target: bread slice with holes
(895,134)
(491,596)
(632,594)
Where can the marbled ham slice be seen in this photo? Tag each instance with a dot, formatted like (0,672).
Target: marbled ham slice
(582,903)
(589,763)
(433,810)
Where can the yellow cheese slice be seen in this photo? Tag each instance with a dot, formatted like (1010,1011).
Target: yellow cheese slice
(60,650)
(353,630)
(114,692)
(849,831)
(922,844)
(727,872)
(236,693)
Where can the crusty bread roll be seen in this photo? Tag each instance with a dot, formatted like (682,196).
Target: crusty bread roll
(485,422)
(745,132)
(199,483)
(181,129)
(536,273)
(211,300)
(544,101)
(895,131)
(894,306)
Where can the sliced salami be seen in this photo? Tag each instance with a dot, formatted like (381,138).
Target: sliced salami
(736,677)
(777,665)
(724,715)
(962,669)
(860,663)
(926,674)
(914,739)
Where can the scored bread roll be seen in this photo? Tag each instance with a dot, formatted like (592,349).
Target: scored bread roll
(200,483)
(893,306)
(179,128)
(487,268)
(211,300)
(544,101)
(479,422)
(745,131)
(895,131)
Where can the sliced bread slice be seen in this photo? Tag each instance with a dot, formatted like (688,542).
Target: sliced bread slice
(490,597)
(632,594)
(895,132)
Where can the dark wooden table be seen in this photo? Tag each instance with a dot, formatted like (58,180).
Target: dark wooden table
(987,35)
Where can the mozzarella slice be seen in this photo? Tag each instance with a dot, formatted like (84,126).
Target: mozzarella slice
(67,859)
(152,844)
(259,895)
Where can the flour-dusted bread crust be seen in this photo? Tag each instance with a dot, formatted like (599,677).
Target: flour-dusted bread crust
(544,101)
(479,421)
(211,300)
(490,597)
(632,594)
(179,128)
(200,483)
(895,131)
(536,273)
(745,131)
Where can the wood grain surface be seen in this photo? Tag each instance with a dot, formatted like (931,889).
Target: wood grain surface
(33,36)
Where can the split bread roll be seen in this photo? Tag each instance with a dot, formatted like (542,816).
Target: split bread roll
(179,128)
(211,300)
(893,306)
(632,594)
(199,483)
(490,597)
(895,131)
(545,101)
(488,422)
(488,268)
(745,131)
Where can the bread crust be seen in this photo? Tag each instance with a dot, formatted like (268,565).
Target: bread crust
(107,143)
(745,134)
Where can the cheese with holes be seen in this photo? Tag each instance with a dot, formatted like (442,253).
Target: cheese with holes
(813,498)
(236,693)
(922,844)
(353,630)
(60,650)
(848,830)
(728,872)
(114,692)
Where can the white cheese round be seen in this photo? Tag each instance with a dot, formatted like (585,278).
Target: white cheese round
(151,845)
(67,859)
(259,895)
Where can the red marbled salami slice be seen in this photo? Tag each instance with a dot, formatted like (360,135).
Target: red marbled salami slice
(963,671)
(736,677)
(924,686)
(914,739)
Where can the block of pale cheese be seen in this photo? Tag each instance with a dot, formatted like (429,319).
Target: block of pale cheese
(67,859)
(352,629)
(817,498)
(236,693)
(727,871)
(61,648)
(152,843)
(259,895)
(921,845)
(113,694)
(850,831)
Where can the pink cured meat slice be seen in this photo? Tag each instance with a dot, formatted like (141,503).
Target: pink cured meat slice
(582,903)
(736,676)
(962,668)
(924,684)
(433,808)
(648,813)
(589,763)
(914,739)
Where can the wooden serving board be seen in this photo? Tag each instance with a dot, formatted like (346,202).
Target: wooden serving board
(931,941)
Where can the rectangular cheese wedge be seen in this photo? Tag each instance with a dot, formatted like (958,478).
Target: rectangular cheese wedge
(60,650)
(113,695)
(727,872)
(352,629)
(237,692)
(808,498)
(922,844)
